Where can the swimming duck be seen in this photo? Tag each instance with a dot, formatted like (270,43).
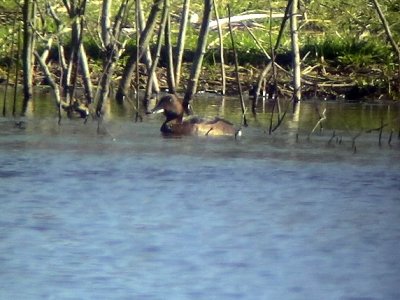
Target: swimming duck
(176,125)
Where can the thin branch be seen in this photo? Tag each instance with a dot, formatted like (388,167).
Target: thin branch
(181,41)
(157,55)
(221,49)
(237,70)
(322,118)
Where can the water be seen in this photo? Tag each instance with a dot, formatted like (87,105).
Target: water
(118,212)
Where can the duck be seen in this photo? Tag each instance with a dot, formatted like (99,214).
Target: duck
(176,125)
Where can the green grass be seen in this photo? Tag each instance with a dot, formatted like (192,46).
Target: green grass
(350,51)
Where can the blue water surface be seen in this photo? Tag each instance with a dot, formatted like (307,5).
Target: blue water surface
(123,213)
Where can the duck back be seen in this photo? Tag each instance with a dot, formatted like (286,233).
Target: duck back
(215,127)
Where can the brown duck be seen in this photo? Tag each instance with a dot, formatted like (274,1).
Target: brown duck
(175,125)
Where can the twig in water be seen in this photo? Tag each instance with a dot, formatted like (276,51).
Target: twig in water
(280,120)
(209,131)
(332,137)
(353,144)
(380,132)
(398,134)
(272,116)
(390,137)
(380,129)
(99,121)
(322,118)
(280,117)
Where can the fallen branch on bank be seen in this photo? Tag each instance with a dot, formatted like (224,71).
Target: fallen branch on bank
(240,18)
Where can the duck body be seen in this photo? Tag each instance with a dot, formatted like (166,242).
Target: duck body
(176,125)
(196,126)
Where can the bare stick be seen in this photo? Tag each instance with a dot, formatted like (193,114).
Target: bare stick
(17,65)
(221,49)
(237,70)
(390,137)
(81,109)
(147,57)
(52,84)
(157,55)
(114,50)
(389,34)
(12,48)
(269,65)
(295,52)
(380,133)
(270,120)
(198,57)
(181,41)
(322,118)
(274,80)
(353,144)
(280,117)
(125,81)
(137,7)
(256,40)
(332,137)
(170,62)
(383,125)
(29,20)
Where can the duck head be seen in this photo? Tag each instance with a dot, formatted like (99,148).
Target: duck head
(171,107)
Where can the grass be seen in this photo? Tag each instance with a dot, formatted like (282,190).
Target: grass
(350,51)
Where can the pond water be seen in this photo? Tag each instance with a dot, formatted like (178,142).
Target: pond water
(116,211)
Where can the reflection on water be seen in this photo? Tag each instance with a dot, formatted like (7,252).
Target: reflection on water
(115,211)
(339,116)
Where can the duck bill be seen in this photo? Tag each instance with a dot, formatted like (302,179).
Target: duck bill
(157,110)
